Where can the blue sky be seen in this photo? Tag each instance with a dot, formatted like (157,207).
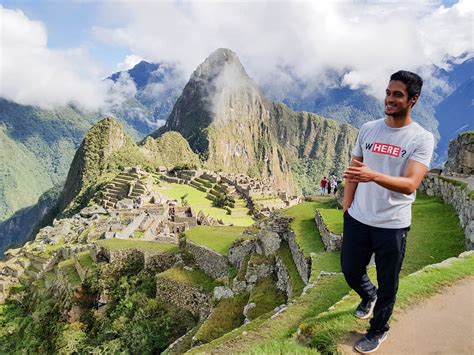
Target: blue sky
(72,45)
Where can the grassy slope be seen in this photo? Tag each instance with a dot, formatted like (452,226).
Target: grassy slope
(197,199)
(264,336)
(195,278)
(215,238)
(117,244)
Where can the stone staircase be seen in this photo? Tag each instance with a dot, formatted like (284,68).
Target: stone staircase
(119,188)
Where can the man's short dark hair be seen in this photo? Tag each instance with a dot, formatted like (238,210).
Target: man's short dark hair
(412,81)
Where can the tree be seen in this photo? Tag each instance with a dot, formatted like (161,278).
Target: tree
(184,201)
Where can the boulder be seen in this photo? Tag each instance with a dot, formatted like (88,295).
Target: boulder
(221,292)
(90,211)
(125,204)
(268,242)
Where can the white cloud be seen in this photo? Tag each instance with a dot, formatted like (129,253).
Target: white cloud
(129,62)
(33,74)
(281,43)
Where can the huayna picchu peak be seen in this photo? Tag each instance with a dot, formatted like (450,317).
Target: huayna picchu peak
(232,126)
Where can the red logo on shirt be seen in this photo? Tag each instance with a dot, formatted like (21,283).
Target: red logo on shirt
(388,149)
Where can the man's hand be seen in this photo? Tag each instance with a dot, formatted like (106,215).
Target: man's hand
(359,172)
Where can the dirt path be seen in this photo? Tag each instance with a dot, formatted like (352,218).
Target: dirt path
(442,324)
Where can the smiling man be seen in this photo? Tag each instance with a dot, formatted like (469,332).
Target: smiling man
(391,157)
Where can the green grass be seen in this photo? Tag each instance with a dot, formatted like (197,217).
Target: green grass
(435,234)
(296,281)
(85,260)
(333,218)
(68,268)
(216,238)
(327,330)
(304,226)
(327,261)
(226,316)
(117,244)
(195,278)
(197,199)
(266,296)
(263,333)
(51,248)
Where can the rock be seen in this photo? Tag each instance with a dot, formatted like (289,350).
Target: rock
(221,292)
(90,211)
(268,242)
(239,286)
(125,204)
(247,308)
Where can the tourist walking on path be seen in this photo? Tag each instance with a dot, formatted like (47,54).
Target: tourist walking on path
(322,186)
(334,186)
(390,158)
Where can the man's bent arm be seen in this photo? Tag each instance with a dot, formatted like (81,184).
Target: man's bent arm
(406,184)
(350,188)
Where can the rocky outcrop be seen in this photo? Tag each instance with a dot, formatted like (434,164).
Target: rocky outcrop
(461,155)
(239,250)
(283,277)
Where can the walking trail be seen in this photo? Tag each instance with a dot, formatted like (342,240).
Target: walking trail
(442,324)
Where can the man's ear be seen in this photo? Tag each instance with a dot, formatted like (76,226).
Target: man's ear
(414,99)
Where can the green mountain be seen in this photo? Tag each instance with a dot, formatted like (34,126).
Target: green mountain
(107,149)
(233,127)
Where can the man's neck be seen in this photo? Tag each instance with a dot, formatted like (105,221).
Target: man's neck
(398,122)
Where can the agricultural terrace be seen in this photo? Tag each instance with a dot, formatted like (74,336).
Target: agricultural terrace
(216,238)
(197,199)
(118,244)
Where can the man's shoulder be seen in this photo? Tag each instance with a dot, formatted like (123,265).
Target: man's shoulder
(421,132)
(371,124)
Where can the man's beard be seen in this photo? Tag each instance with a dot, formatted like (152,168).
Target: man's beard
(402,112)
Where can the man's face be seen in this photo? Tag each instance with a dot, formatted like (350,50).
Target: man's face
(397,103)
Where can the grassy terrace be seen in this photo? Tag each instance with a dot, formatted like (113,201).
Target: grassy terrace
(195,278)
(85,260)
(117,244)
(215,238)
(68,268)
(227,316)
(197,199)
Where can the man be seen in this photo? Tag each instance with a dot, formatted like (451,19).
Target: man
(322,186)
(391,157)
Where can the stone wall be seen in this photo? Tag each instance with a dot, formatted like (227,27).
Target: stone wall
(461,154)
(303,264)
(239,250)
(457,196)
(331,241)
(281,225)
(80,270)
(283,278)
(211,262)
(183,296)
(159,262)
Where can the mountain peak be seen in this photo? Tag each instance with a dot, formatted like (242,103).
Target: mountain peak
(216,62)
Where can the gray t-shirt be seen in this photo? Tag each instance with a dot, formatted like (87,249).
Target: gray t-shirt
(388,150)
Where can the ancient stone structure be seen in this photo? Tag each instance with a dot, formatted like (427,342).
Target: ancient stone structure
(211,262)
(461,155)
(283,277)
(331,241)
(184,296)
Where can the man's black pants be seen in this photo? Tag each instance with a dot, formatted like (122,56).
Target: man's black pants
(358,244)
